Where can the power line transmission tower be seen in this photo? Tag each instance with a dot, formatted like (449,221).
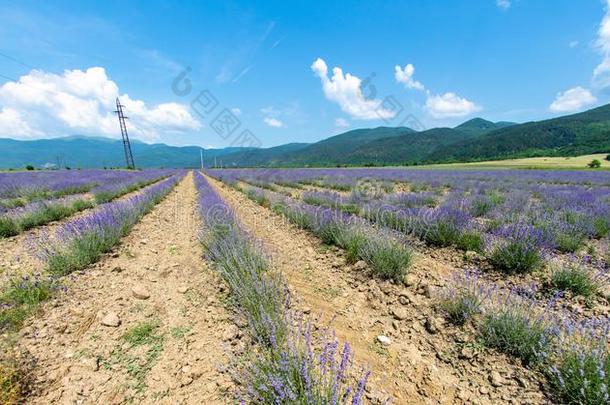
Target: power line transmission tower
(126,144)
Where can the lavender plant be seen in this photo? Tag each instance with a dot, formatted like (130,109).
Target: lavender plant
(576,277)
(516,249)
(579,370)
(464,298)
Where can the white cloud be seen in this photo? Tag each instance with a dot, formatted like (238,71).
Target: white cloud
(503,4)
(14,125)
(82,102)
(345,90)
(447,105)
(236,111)
(573,44)
(601,73)
(573,99)
(450,105)
(405,76)
(341,123)
(273,122)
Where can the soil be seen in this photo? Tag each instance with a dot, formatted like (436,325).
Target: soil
(180,358)
(427,360)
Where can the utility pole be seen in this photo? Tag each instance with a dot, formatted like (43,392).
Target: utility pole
(215,163)
(201,156)
(126,145)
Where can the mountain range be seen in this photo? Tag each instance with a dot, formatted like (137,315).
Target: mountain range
(474,140)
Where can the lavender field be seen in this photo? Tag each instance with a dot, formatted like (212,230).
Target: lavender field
(530,252)
(346,286)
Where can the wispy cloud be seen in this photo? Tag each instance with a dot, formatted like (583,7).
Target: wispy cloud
(273,122)
(503,4)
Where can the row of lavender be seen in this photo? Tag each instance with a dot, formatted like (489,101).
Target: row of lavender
(74,246)
(36,184)
(387,255)
(39,198)
(534,212)
(292,364)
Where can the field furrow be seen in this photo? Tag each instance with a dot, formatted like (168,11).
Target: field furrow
(145,324)
(426,360)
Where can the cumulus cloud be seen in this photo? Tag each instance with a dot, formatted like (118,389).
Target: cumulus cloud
(83,102)
(344,89)
(236,111)
(273,122)
(503,4)
(341,123)
(405,76)
(573,99)
(450,105)
(447,105)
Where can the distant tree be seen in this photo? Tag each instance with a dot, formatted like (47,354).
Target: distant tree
(29,167)
(608,157)
(594,164)
(68,168)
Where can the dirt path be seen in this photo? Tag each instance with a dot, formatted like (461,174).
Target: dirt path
(16,258)
(427,361)
(168,348)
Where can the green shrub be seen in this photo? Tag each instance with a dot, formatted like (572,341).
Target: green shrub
(576,278)
(515,257)
(8,227)
(387,258)
(21,298)
(581,376)
(514,331)
(471,240)
(460,306)
(594,164)
(569,242)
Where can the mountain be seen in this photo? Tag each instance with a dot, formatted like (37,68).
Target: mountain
(474,140)
(329,151)
(479,126)
(81,151)
(571,135)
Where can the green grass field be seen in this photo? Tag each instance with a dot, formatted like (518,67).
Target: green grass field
(565,163)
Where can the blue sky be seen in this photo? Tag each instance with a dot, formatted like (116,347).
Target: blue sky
(271,64)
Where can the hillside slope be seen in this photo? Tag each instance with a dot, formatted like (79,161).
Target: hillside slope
(577,134)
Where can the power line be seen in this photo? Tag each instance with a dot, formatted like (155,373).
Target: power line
(16,60)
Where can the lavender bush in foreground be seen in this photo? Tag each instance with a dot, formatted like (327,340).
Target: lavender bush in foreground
(580,368)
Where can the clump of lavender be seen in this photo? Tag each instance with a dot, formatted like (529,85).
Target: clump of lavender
(387,257)
(442,226)
(21,297)
(579,370)
(516,326)
(307,370)
(464,298)
(576,277)
(517,249)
